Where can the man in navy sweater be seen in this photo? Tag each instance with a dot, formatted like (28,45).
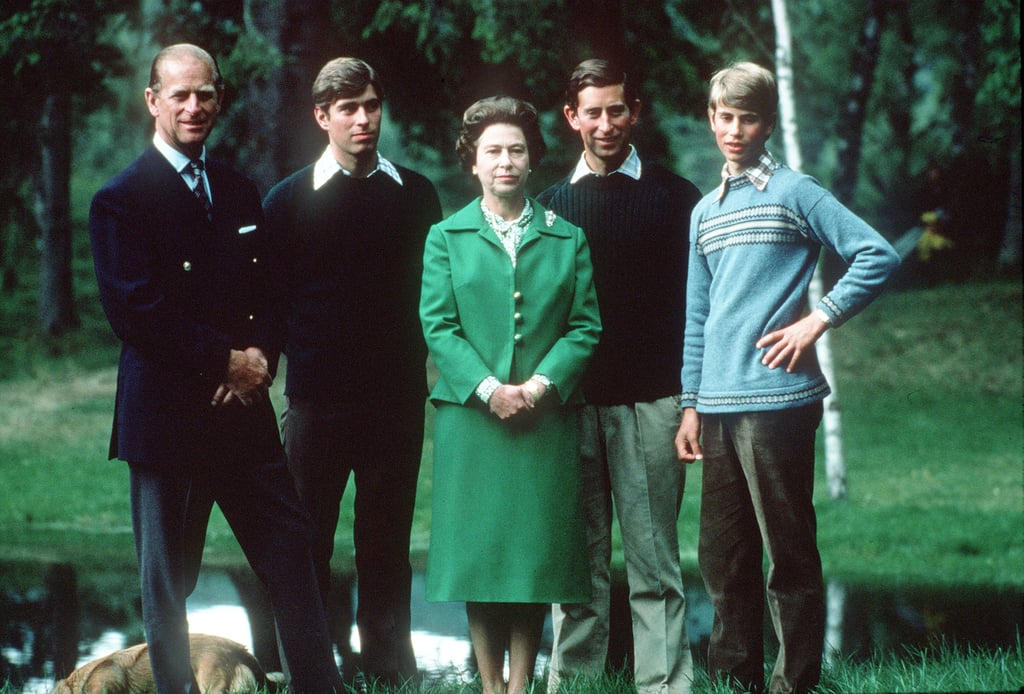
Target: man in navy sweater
(349,231)
(636,217)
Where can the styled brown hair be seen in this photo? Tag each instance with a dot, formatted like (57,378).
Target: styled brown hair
(499,109)
(344,78)
(597,72)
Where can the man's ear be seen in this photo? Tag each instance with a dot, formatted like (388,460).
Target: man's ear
(570,115)
(322,117)
(151,102)
(634,111)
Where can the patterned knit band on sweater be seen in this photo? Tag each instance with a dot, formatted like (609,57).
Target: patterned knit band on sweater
(753,256)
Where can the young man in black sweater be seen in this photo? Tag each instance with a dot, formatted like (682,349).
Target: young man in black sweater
(348,233)
(636,216)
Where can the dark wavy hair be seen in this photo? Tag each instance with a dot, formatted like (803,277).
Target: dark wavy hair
(596,72)
(499,109)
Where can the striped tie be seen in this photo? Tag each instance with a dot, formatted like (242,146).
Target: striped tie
(199,189)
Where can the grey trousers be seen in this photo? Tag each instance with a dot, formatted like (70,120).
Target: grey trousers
(758,484)
(628,456)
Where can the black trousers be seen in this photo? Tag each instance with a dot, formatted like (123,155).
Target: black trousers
(380,446)
(245,473)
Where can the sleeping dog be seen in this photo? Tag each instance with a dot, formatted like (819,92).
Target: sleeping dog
(220,665)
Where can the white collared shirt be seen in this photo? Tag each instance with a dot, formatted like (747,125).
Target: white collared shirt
(326,166)
(180,162)
(630,167)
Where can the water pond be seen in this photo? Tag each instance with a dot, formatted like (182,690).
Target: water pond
(53,618)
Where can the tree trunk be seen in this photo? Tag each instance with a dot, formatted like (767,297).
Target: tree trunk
(1010,249)
(260,160)
(835,465)
(302,33)
(53,213)
(851,122)
(599,26)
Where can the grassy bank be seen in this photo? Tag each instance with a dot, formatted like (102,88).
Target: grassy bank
(930,386)
(929,382)
(944,669)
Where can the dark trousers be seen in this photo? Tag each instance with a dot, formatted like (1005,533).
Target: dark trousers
(380,446)
(170,510)
(757,497)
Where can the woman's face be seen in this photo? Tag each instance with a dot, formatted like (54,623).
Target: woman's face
(502,162)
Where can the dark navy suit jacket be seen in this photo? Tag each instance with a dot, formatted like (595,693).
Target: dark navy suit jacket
(180,292)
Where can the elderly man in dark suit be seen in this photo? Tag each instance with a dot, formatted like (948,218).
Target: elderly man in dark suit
(178,248)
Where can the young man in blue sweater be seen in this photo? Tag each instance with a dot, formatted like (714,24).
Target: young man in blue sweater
(752,387)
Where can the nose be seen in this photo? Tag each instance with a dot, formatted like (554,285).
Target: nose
(504,159)
(361,115)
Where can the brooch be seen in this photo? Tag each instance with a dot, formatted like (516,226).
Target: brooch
(550,217)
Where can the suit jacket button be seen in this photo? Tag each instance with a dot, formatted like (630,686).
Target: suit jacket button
(517,295)
(186,266)
(255,260)
(517,338)
(517,317)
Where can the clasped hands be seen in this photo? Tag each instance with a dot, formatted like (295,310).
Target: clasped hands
(247,379)
(507,401)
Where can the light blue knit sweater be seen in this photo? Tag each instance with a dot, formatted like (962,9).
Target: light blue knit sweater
(752,257)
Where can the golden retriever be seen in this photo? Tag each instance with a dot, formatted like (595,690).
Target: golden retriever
(220,665)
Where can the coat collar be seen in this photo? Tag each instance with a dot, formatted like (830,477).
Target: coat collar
(470,218)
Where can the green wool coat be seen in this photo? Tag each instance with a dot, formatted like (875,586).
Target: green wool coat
(507,521)
(482,317)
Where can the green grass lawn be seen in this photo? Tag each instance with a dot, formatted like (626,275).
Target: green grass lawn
(929,381)
(930,387)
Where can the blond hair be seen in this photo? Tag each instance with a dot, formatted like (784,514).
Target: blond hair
(747,86)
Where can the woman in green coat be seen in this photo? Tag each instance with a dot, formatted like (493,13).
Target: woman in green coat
(510,317)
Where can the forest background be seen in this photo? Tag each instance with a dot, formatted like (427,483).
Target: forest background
(886,90)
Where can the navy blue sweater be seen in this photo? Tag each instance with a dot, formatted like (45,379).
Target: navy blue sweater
(351,258)
(638,235)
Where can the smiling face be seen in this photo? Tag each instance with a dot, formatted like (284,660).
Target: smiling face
(740,135)
(353,128)
(604,121)
(502,165)
(186,106)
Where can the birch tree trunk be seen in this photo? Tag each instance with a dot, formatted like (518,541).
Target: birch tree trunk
(835,465)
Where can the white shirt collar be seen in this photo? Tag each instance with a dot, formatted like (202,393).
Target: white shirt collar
(326,166)
(630,167)
(177,159)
